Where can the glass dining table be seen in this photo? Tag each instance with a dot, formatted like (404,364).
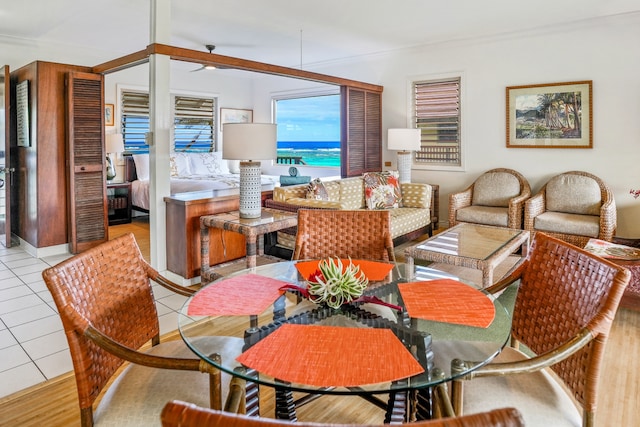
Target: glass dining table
(391,348)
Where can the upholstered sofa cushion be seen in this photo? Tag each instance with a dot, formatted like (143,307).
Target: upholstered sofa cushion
(566,223)
(495,189)
(488,215)
(574,194)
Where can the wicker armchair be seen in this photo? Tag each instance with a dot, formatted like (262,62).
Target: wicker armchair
(496,198)
(565,305)
(359,234)
(573,206)
(180,414)
(106,303)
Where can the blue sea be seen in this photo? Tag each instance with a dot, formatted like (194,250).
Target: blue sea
(313,153)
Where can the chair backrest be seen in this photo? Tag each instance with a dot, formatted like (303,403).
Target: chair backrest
(564,290)
(107,288)
(181,414)
(497,187)
(576,192)
(359,234)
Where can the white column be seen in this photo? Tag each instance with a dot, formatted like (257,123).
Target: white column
(160,127)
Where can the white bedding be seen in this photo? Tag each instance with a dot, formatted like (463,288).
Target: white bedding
(186,184)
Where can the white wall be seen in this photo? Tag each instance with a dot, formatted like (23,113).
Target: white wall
(604,51)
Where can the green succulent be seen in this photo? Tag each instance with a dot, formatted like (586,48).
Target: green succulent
(334,284)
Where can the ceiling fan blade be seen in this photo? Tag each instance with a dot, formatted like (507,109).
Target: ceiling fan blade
(199,69)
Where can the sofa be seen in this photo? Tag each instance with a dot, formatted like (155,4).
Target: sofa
(415,214)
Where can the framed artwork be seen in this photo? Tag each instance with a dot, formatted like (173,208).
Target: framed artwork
(108,115)
(554,115)
(234,115)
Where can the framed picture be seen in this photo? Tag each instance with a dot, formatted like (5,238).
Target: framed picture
(554,115)
(233,115)
(108,115)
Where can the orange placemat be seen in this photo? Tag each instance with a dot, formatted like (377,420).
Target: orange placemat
(446,300)
(373,270)
(326,356)
(241,295)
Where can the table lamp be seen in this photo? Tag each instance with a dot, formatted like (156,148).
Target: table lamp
(114,144)
(404,140)
(249,142)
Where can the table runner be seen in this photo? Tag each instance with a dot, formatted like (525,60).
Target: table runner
(331,356)
(249,294)
(373,270)
(446,300)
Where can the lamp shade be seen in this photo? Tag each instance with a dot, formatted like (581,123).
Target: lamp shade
(249,141)
(403,139)
(114,143)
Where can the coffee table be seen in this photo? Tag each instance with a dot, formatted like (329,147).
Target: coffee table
(475,246)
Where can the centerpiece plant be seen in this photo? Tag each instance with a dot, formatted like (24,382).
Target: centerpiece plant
(335,284)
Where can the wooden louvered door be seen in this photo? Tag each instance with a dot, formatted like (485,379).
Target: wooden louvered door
(361,131)
(88,219)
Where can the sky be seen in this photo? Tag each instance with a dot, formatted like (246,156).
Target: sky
(309,119)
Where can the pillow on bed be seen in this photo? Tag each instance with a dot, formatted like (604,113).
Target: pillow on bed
(208,164)
(234,166)
(179,164)
(142,166)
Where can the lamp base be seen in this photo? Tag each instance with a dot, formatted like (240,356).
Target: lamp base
(250,190)
(404,166)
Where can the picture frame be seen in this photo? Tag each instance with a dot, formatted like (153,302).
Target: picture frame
(544,115)
(235,115)
(109,113)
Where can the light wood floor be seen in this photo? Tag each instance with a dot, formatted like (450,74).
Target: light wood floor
(55,403)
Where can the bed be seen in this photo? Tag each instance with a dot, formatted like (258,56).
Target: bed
(190,172)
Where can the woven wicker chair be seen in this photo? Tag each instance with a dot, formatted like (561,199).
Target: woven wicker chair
(359,234)
(180,414)
(496,198)
(565,305)
(573,206)
(106,303)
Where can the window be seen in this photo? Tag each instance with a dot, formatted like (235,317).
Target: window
(436,106)
(309,130)
(193,123)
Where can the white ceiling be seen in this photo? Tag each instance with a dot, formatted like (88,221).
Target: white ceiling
(289,32)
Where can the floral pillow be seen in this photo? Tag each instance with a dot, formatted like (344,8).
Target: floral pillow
(317,191)
(382,190)
(179,164)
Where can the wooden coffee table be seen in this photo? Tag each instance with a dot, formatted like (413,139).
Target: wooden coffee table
(475,246)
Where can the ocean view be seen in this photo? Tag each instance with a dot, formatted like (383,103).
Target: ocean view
(313,153)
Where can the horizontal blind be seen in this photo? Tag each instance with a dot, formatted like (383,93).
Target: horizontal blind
(135,121)
(437,115)
(194,124)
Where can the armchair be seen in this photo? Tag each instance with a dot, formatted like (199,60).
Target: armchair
(496,198)
(573,206)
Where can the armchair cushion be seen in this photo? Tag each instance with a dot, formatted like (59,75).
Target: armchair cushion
(567,223)
(495,189)
(496,216)
(576,194)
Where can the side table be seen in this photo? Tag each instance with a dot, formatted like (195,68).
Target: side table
(119,202)
(252,228)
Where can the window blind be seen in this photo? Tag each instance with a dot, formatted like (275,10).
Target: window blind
(437,115)
(193,123)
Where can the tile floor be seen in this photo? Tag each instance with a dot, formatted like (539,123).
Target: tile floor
(33,347)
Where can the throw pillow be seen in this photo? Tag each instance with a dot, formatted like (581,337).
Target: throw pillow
(382,190)
(179,164)
(317,191)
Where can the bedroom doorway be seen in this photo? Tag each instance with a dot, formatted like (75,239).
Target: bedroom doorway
(139,226)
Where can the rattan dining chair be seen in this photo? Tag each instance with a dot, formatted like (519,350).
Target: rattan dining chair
(106,303)
(565,305)
(181,414)
(359,234)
